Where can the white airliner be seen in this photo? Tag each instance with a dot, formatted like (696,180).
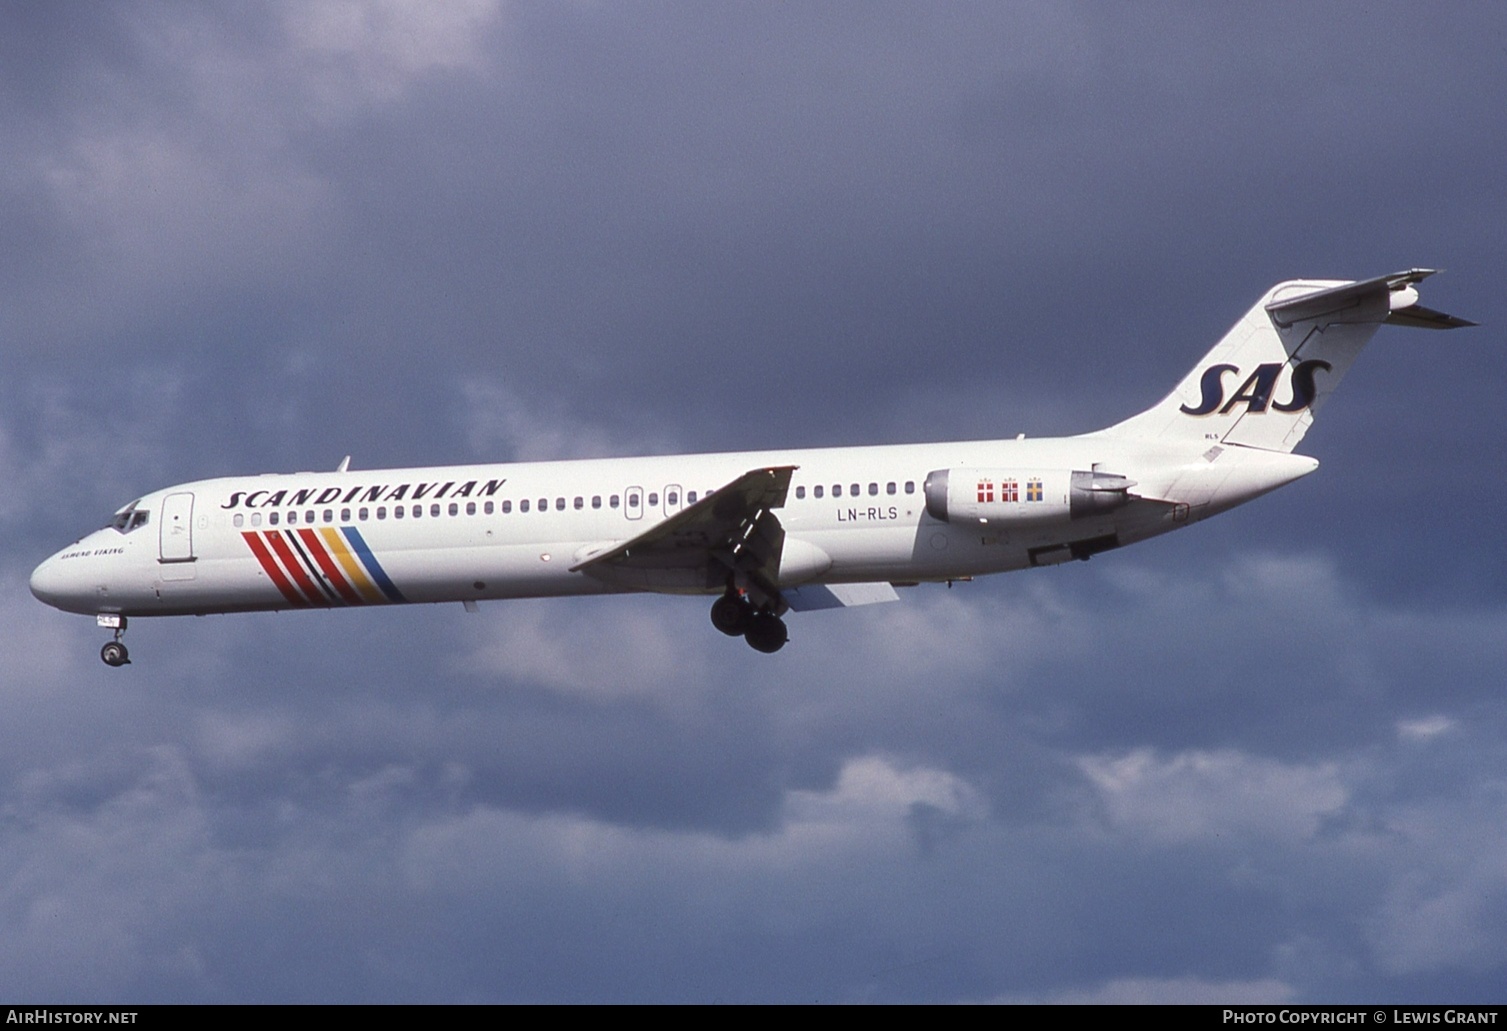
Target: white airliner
(766,532)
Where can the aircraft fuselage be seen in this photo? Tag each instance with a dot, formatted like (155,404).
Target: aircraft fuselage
(766,531)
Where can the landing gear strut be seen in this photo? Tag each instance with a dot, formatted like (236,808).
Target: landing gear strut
(736,616)
(114,652)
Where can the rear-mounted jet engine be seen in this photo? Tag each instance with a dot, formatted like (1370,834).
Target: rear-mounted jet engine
(1022,498)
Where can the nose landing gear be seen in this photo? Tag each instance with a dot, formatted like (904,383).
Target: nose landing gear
(114,652)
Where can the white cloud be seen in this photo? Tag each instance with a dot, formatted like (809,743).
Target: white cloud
(87,895)
(1445,903)
(1424,728)
(1201,796)
(597,647)
(866,813)
(376,48)
(871,788)
(165,203)
(500,425)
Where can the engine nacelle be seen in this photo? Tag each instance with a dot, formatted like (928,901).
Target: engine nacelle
(1024,498)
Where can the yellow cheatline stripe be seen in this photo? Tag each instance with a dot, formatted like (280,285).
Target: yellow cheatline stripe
(349,563)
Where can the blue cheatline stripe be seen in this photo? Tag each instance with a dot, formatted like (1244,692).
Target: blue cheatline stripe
(358,545)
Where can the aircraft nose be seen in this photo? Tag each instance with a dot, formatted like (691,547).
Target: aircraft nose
(46,582)
(54,583)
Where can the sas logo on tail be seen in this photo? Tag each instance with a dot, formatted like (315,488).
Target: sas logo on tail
(1257,389)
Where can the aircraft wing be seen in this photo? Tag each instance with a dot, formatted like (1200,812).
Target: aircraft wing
(734,527)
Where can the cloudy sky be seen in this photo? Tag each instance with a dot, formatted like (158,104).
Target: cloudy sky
(1262,760)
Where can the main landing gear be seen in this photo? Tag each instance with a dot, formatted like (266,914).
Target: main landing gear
(735,616)
(114,652)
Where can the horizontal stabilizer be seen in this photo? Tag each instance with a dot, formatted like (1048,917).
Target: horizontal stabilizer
(1419,317)
(837,596)
(1363,301)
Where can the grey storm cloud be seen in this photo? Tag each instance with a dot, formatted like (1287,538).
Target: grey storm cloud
(1257,761)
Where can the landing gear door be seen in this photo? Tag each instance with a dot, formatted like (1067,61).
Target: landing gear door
(177,533)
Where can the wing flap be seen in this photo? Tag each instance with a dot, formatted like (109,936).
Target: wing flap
(812,597)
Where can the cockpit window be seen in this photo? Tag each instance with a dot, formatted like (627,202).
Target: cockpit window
(129,518)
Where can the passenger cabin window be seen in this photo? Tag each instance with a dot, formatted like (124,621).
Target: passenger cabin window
(361,514)
(653,498)
(329,516)
(889,488)
(434,510)
(579,503)
(672,498)
(817,490)
(837,490)
(308,516)
(381,511)
(292,518)
(612,501)
(271,518)
(470,508)
(690,498)
(910,486)
(238,519)
(596,501)
(873,489)
(800,493)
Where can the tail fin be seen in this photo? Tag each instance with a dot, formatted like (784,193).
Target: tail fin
(1261,385)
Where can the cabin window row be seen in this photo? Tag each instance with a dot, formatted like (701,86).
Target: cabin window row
(312,516)
(579,503)
(855,490)
(435,510)
(614,501)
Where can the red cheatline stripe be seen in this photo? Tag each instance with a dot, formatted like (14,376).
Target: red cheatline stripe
(295,568)
(269,565)
(291,536)
(316,548)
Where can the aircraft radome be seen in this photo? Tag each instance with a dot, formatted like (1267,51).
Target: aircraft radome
(763,532)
